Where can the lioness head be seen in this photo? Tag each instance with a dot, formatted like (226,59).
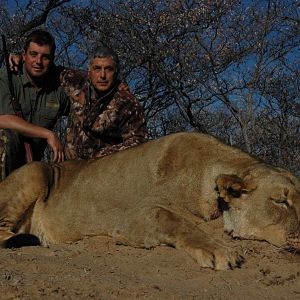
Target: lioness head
(263,205)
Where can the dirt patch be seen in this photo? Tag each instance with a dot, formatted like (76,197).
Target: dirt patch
(97,268)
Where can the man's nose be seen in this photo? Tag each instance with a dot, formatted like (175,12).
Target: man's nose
(103,73)
(38,59)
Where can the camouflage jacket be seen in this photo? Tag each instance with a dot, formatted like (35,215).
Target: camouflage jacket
(100,126)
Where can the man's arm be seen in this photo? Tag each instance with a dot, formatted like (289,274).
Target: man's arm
(30,130)
(8,120)
(132,125)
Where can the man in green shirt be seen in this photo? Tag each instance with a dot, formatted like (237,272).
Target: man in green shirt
(42,99)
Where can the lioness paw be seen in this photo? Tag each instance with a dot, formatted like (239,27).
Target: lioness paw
(218,259)
(227,259)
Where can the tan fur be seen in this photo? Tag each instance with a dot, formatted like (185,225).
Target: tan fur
(156,193)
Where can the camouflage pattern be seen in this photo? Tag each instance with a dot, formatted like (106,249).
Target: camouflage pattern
(3,145)
(103,125)
(12,152)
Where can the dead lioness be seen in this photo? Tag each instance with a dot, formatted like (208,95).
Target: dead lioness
(156,194)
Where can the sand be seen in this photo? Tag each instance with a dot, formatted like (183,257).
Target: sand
(97,268)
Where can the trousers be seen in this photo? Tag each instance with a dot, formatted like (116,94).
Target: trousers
(12,152)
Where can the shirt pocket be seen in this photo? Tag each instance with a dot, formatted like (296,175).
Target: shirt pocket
(49,113)
(52,108)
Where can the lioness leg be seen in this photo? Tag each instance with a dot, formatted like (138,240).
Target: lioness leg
(153,226)
(19,192)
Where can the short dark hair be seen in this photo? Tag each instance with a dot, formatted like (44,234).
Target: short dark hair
(40,37)
(104,51)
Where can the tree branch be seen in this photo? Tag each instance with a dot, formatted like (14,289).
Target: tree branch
(41,19)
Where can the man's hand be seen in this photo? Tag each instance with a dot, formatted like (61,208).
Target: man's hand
(56,146)
(123,87)
(28,129)
(15,62)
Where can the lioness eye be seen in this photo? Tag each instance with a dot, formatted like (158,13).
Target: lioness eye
(281,202)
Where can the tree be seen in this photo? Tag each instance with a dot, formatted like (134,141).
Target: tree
(229,68)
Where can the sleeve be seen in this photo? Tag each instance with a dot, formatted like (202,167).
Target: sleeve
(74,84)
(5,97)
(132,124)
(73,81)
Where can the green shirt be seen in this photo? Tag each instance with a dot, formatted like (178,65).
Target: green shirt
(41,107)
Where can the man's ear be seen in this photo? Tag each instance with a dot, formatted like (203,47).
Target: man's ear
(231,186)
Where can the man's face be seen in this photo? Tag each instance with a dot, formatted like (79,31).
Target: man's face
(102,73)
(37,60)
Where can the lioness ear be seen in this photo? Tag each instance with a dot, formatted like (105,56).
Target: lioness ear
(232,186)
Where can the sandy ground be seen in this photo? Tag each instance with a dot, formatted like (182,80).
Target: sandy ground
(97,268)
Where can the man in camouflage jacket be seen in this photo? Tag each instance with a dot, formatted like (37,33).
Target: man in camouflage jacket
(103,118)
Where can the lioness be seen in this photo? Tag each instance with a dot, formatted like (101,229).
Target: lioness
(154,194)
